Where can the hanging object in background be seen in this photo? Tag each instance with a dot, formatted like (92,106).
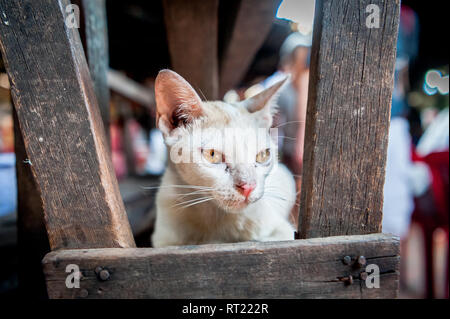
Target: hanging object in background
(301,13)
(435,82)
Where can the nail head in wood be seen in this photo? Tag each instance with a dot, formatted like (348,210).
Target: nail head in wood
(104,275)
(84,293)
(347,260)
(361,261)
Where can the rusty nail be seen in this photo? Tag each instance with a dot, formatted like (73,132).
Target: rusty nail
(84,293)
(98,269)
(363,275)
(104,275)
(347,260)
(361,261)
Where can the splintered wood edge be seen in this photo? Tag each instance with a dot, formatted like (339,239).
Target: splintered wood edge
(310,268)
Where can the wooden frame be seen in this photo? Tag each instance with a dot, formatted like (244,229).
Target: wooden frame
(311,268)
(64,140)
(62,129)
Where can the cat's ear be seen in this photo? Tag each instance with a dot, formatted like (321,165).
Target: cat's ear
(263,104)
(177,103)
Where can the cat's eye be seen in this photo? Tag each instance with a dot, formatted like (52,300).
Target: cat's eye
(263,156)
(212,156)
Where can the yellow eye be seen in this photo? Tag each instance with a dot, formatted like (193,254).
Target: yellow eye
(263,156)
(212,156)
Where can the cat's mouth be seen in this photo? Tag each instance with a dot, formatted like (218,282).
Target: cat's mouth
(236,205)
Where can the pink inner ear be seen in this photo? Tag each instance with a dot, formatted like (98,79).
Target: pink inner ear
(176,101)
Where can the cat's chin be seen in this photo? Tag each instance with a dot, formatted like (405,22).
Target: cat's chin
(235,207)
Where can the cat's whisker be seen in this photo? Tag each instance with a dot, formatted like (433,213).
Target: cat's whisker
(275,196)
(288,138)
(178,186)
(190,201)
(199,192)
(198,202)
(290,122)
(203,95)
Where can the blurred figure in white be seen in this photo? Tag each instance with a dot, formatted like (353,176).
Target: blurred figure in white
(292,102)
(398,193)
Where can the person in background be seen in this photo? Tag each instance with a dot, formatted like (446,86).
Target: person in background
(430,218)
(292,101)
(417,184)
(398,193)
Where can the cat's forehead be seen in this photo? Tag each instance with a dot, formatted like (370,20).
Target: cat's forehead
(220,114)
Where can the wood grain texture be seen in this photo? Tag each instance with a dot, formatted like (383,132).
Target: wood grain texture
(94,36)
(350,90)
(252,24)
(61,126)
(192,32)
(309,268)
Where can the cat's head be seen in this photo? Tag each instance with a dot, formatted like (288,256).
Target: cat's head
(224,148)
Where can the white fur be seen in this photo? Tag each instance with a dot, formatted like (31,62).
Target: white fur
(264,220)
(199,202)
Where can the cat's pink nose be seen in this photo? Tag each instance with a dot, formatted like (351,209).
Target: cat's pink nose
(245,189)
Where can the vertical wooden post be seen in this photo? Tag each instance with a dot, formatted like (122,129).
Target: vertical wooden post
(350,90)
(252,24)
(94,36)
(61,126)
(192,32)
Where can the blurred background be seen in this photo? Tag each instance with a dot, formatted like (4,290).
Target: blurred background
(417,176)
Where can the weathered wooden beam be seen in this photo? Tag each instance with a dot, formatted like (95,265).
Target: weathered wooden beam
(252,24)
(94,36)
(61,126)
(192,32)
(350,90)
(310,268)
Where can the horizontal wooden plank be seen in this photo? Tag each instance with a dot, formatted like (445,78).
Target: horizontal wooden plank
(309,268)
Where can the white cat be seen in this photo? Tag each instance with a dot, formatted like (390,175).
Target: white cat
(223,185)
